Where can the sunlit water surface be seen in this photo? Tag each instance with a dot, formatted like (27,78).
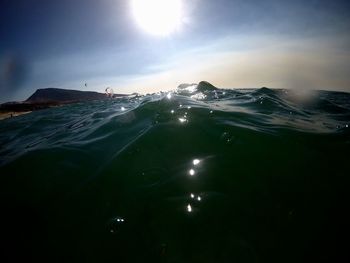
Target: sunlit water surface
(214,176)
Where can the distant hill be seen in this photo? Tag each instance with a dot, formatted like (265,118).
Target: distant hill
(205,86)
(51,97)
(201,86)
(63,96)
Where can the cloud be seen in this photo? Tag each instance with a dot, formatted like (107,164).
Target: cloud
(266,61)
(231,62)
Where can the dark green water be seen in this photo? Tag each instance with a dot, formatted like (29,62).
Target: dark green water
(119,180)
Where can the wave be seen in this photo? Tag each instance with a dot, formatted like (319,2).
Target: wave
(91,123)
(171,173)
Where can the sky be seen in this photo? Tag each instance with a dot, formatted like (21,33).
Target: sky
(230,43)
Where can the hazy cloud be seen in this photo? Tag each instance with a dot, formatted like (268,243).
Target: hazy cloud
(276,63)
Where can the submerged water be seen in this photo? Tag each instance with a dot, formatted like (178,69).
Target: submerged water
(220,176)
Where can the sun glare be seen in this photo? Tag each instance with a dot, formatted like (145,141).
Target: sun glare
(158,17)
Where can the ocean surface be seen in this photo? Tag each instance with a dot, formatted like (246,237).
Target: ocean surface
(254,175)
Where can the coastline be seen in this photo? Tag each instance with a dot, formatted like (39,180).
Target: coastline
(48,98)
(12,114)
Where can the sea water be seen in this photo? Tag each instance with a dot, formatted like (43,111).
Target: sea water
(214,176)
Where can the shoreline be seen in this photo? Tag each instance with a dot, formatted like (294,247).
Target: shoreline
(12,114)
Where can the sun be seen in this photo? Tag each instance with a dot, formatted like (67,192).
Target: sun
(158,17)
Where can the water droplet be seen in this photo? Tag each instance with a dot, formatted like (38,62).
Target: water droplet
(211,112)
(172,111)
(192,196)
(168,95)
(191,172)
(182,120)
(123,109)
(199,198)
